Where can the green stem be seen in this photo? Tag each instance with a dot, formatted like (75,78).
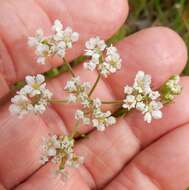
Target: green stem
(94,86)
(58,101)
(113,102)
(69,67)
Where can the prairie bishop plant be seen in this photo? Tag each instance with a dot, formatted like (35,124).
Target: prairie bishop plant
(34,97)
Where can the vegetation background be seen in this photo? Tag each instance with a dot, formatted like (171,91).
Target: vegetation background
(146,13)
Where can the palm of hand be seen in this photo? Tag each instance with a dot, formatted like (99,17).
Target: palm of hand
(158,51)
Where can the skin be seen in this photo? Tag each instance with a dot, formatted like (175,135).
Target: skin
(128,156)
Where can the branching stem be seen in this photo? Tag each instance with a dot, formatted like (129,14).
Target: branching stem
(58,101)
(113,102)
(69,67)
(95,84)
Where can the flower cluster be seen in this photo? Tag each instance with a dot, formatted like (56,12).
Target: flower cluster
(105,59)
(78,91)
(143,98)
(33,97)
(60,151)
(170,89)
(55,44)
(91,112)
(96,117)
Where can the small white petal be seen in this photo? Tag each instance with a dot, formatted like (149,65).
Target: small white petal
(128,90)
(40,79)
(57,25)
(157,114)
(148,117)
(75,36)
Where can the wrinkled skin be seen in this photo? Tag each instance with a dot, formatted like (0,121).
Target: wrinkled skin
(128,156)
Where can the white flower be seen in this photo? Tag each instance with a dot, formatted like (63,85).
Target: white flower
(142,82)
(42,49)
(101,120)
(100,126)
(78,91)
(97,102)
(95,46)
(33,97)
(90,65)
(60,151)
(129,102)
(111,120)
(153,111)
(140,106)
(61,49)
(34,41)
(71,98)
(39,108)
(79,115)
(57,26)
(71,85)
(143,98)
(128,90)
(67,36)
(104,69)
(86,86)
(49,148)
(113,59)
(84,99)
(154,95)
(148,117)
(20,105)
(105,59)
(55,44)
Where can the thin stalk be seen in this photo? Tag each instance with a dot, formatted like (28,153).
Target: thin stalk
(113,102)
(58,101)
(69,67)
(94,86)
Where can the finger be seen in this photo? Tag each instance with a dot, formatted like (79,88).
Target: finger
(67,111)
(175,114)
(163,165)
(2,188)
(17,23)
(14,42)
(139,52)
(92,159)
(149,50)
(45,179)
(19,147)
(117,145)
(96,154)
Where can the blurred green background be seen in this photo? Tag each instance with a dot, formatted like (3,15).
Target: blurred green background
(146,13)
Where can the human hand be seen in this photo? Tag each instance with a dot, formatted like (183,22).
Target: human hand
(130,155)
